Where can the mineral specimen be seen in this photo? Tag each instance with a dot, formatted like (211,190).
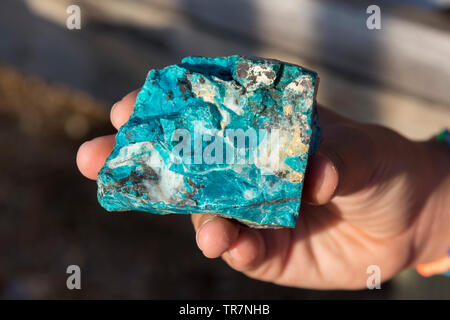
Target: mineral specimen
(228,136)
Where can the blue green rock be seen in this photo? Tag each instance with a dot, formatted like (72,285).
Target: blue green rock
(228,136)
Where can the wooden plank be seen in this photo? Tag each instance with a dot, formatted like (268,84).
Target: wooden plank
(412,115)
(405,55)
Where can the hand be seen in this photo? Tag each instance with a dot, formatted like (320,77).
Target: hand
(371,197)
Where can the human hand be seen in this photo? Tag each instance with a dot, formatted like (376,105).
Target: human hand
(371,197)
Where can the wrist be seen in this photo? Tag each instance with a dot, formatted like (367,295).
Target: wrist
(432,233)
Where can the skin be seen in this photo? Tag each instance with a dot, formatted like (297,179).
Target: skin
(371,197)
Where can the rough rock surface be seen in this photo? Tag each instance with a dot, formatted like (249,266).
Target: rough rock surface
(228,136)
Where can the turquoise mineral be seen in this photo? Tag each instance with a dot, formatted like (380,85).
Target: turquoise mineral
(228,136)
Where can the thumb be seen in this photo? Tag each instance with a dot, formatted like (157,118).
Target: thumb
(342,165)
(321,180)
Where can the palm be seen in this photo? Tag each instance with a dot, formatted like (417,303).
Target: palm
(334,244)
(363,224)
(326,251)
(354,220)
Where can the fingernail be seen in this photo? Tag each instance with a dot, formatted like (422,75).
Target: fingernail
(113,107)
(227,256)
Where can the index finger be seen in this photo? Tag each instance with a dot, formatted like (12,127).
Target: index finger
(121,110)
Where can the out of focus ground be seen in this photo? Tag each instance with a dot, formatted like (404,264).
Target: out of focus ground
(56,88)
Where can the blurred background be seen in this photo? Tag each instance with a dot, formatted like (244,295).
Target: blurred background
(57,86)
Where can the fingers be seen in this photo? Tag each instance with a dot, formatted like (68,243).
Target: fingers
(214,235)
(248,251)
(352,152)
(343,163)
(92,155)
(322,175)
(121,110)
(241,247)
(321,180)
